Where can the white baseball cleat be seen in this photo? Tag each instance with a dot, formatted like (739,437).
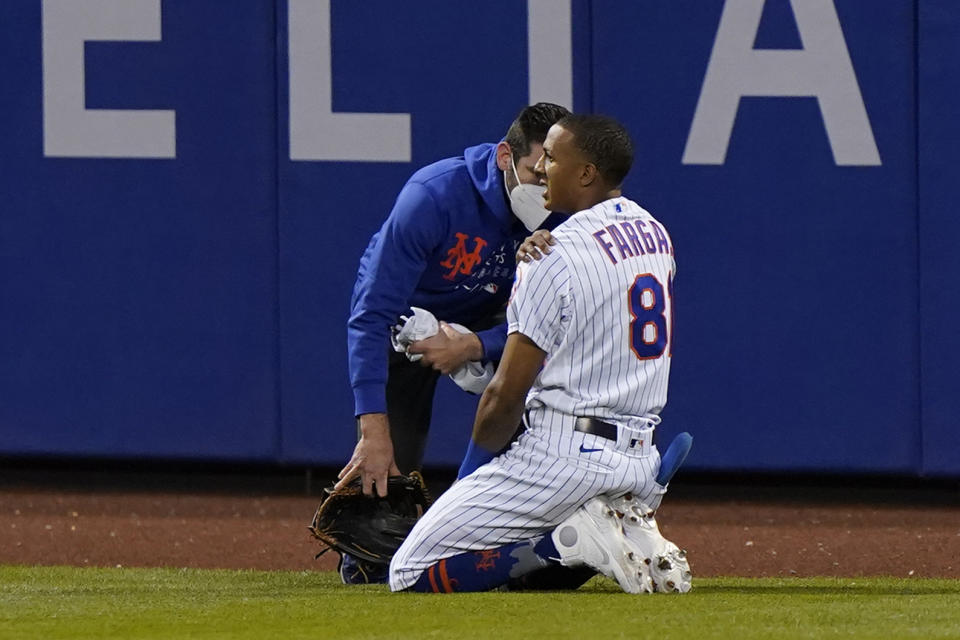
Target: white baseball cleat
(668,564)
(593,536)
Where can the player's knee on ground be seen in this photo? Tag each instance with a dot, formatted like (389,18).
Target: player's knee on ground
(400,577)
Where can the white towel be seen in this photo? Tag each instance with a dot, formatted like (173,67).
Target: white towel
(472,377)
(421,325)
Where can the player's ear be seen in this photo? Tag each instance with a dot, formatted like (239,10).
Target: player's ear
(588,174)
(504,156)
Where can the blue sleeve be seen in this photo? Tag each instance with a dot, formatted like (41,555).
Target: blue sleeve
(493,340)
(475,457)
(394,265)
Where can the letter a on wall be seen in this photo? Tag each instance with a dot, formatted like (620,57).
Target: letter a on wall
(821,69)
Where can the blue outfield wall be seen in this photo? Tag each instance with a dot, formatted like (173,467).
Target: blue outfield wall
(939,224)
(188,186)
(139,294)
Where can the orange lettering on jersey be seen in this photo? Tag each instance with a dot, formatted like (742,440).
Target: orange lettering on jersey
(458,260)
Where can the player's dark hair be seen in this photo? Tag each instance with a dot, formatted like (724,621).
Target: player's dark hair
(531,126)
(605,142)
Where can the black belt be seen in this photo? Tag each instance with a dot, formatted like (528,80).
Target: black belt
(597,428)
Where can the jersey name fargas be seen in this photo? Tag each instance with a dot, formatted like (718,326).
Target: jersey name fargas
(632,238)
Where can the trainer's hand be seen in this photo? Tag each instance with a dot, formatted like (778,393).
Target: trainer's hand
(372,458)
(448,350)
(540,241)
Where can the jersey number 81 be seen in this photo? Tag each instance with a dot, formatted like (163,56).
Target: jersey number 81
(649,335)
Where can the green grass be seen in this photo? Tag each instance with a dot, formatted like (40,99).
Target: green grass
(77,603)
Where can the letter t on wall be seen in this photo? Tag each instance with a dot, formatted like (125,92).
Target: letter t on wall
(550,51)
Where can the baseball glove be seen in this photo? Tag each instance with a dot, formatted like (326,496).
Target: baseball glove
(371,529)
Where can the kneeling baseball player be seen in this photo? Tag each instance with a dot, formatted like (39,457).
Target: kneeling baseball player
(585,367)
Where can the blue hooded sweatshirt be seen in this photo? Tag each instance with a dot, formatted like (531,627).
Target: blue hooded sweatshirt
(448,246)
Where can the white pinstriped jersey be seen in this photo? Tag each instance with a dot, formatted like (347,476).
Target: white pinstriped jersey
(600,304)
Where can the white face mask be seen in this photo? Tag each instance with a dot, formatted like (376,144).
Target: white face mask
(526,201)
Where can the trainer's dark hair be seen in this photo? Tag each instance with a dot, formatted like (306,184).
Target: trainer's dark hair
(531,126)
(605,142)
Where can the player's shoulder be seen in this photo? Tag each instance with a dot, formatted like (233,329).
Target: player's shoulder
(581,225)
(634,210)
(569,238)
(609,212)
(551,263)
(620,207)
(581,228)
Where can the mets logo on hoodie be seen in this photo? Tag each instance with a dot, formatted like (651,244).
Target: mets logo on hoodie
(459,261)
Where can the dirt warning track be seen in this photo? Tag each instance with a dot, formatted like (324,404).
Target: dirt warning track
(725,536)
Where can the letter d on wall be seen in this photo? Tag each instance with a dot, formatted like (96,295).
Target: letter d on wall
(69,128)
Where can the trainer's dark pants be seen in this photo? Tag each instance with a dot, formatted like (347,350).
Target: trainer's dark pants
(410,389)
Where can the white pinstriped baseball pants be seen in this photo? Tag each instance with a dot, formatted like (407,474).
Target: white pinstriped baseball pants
(538,483)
